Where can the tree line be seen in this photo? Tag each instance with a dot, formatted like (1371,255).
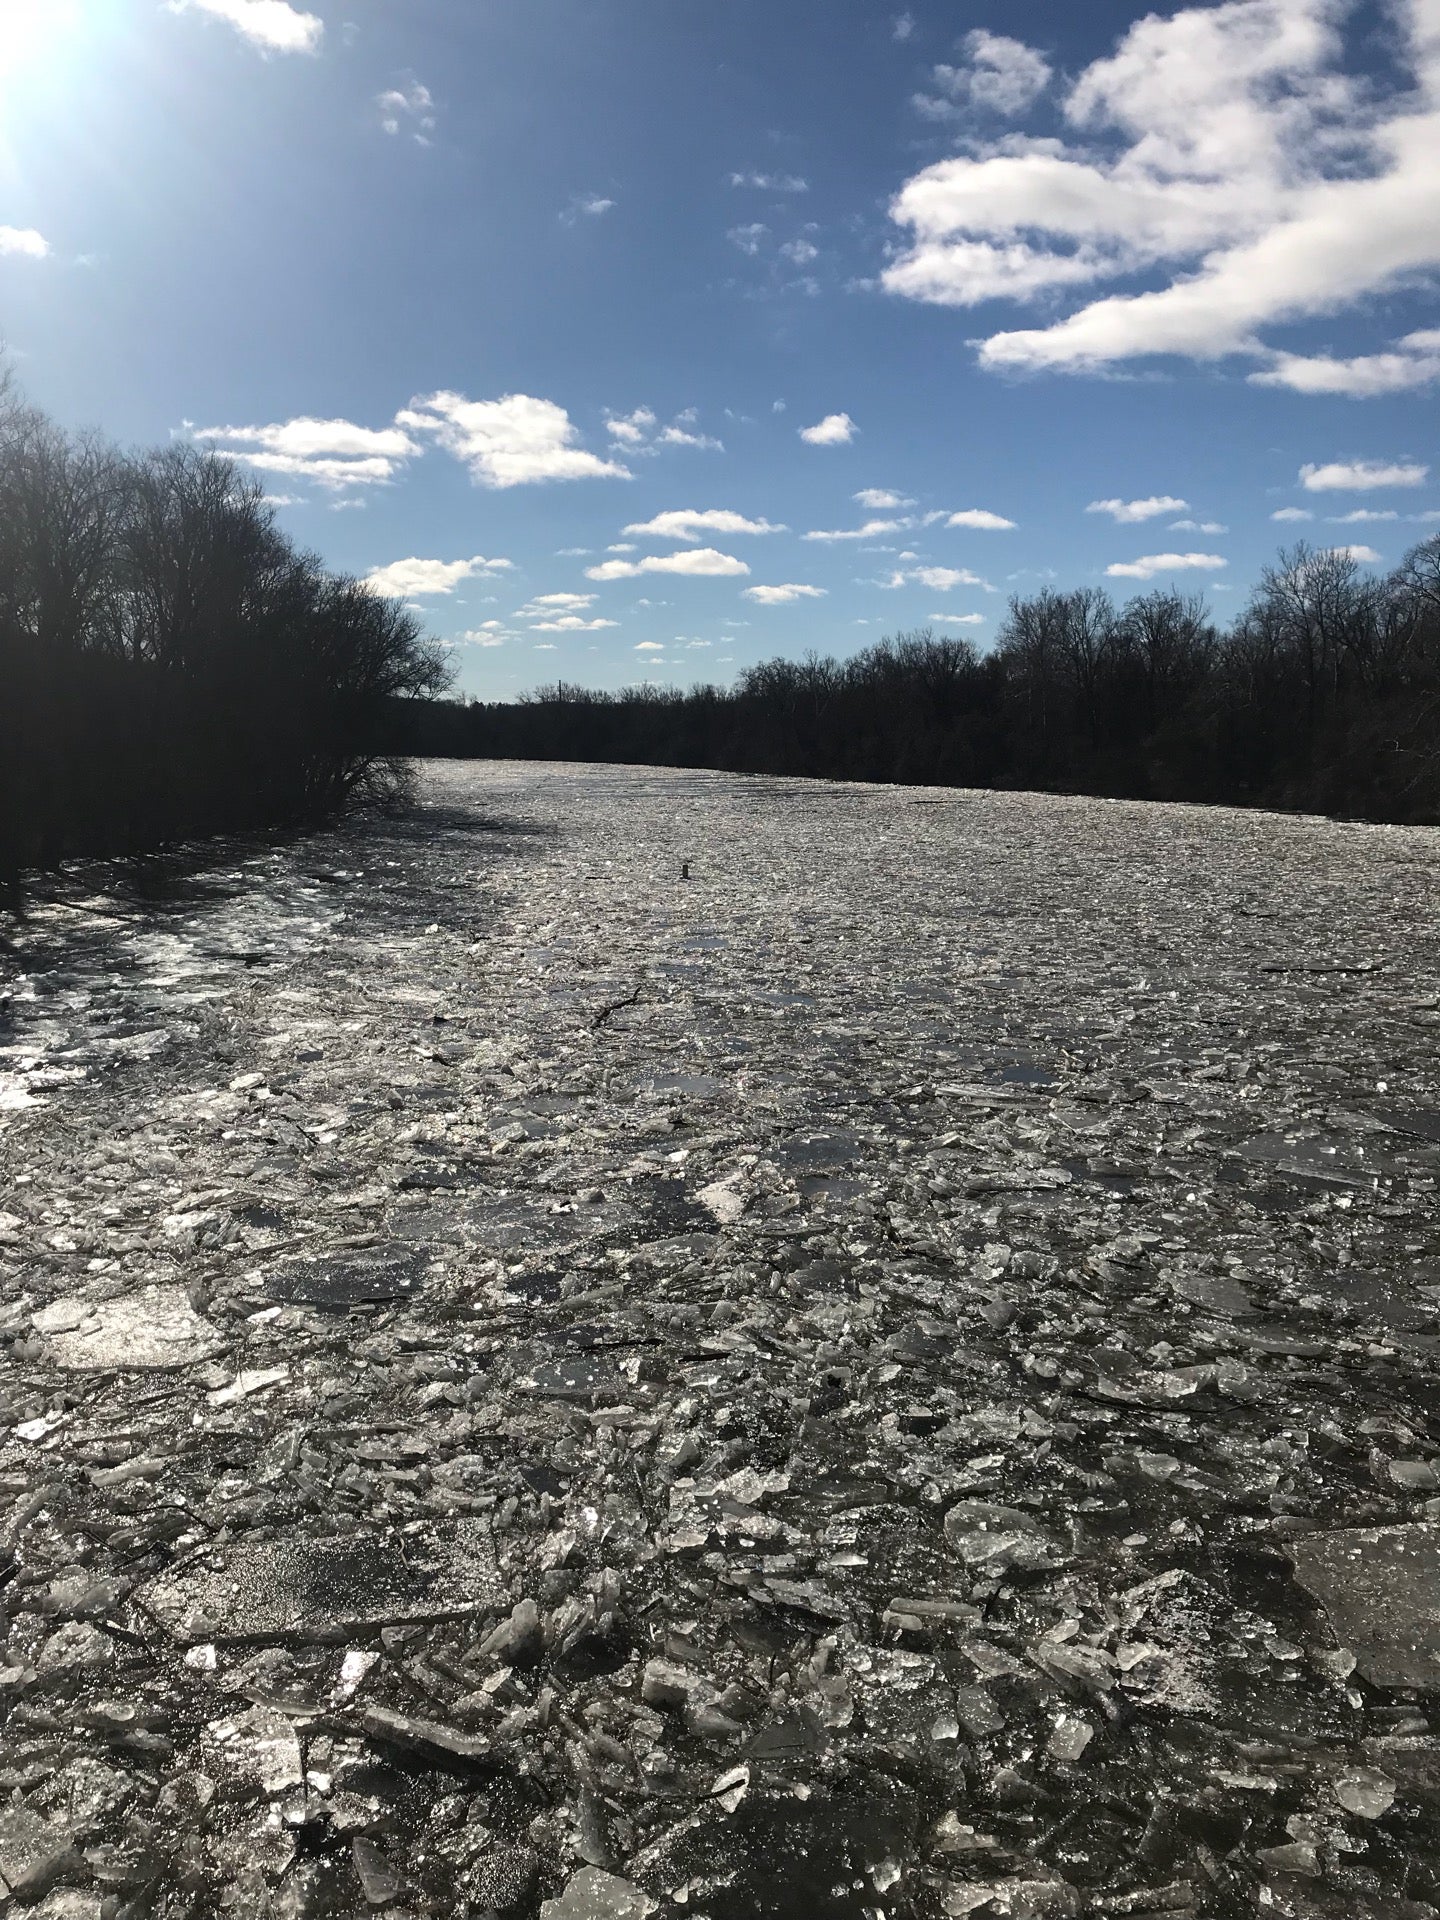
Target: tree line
(170,664)
(1323,695)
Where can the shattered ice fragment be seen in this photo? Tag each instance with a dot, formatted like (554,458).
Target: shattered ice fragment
(1365,1793)
(152,1329)
(593,1894)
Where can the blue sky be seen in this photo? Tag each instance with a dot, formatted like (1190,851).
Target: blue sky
(648,338)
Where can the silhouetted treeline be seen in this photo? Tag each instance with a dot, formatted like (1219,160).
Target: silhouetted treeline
(169,664)
(1324,695)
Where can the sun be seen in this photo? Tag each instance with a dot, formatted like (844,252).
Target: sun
(31,31)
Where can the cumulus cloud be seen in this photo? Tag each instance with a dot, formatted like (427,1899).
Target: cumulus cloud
(1000,74)
(489,633)
(1197,526)
(1292,513)
(688,523)
(703,561)
(271,25)
(1127,512)
(771,182)
(1221,148)
(649,646)
(513,442)
(938,579)
(981,520)
(411,105)
(413,579)
(1151,564)
(1366,554)
(1411,362)
(1363,515)
(24,241)
(1355,476)
(902,26)
(835,430)
(872,530)
(562,602)
(881,499)
(960,619)
(782,596)
(332,453)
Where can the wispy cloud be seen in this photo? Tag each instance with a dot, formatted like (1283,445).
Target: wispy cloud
(771,182)
(271,25)
(409,106)
(749,238)
(1127,512)
(902,26)
(881,499)
(1197,526)
(517,441)
(641,431)
(872,530)
(587,206)
(960,619)
(835,430)
(782,595)
(332,453)
(1292,513)
(1151,564)
(702,561)
(689,523)
(1356,476)
(415,579)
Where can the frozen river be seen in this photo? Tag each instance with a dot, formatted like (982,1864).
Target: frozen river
(895,1374)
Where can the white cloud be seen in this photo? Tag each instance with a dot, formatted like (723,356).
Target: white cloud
(649,646)
(1003,75)
(702,561)
(782,596)
(621,546)
(771,182)
(332,453)
(564,602)
(1292,513)
(1222,148)
(1362,515)
(413,103)
(835,430)
(1150,564)
(1197,526)
(1127,512)
(881,499)
(800,252)
(1367,554)
(902,26)
(938,579)
(749,239)
(271,25)
(410,579)
(24,241)
(688,523)
(981,520)
(586,206)
(959,619)
(1347,476)
(571,623)
(1412,362)
(513,442)
(872,530)
(641,432)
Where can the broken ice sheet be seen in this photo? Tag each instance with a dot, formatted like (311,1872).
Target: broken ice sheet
(1380,1587)
(317,1586)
